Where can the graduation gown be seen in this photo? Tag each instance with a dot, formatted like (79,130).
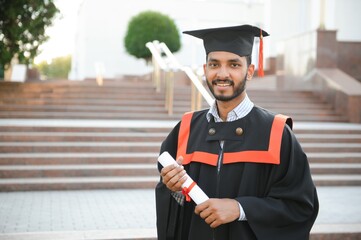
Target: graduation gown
(261,165)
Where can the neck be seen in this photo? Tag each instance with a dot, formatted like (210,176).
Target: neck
(224,107)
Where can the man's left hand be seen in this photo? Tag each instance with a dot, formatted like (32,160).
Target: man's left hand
(217,211)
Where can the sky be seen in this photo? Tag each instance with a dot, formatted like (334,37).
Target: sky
(61,33)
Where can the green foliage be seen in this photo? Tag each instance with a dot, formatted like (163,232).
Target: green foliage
(149,26)
(22,28)
(58,68)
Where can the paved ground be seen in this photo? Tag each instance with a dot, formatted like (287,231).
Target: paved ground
(131,213)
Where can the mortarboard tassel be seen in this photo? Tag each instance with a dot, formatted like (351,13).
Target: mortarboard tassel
(260,57)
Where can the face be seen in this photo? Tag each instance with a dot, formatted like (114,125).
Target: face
(226,75)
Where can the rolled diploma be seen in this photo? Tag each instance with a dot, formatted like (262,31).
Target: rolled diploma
(196,192)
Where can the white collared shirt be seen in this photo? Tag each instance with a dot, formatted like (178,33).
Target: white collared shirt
(237,113)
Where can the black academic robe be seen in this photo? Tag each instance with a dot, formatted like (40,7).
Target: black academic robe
(268,175)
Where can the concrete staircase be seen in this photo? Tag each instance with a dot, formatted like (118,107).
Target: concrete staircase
(109,137)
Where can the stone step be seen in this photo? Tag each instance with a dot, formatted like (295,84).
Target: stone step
(336,180)
(127,169)
(82,136)
(88,115)
(136,157)
(126,97)
(76,183)
(76,158)
(334,157)
(44,126)
(140,116)
(329,138)
(345,231)
(117,158)
(72,183)
(64,147)
(152,102)
(144,136)
(93,170)
(7,147)
(85,108)
(331,147)
(109,109)
(335,168)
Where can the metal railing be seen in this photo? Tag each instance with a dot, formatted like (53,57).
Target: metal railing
(164,66)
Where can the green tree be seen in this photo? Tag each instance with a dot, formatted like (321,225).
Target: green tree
(58,67)
(22,28)
(148,26)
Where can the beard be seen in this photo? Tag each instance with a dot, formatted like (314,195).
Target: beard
(238,89)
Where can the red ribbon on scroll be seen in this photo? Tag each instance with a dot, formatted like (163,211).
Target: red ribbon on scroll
(186,191)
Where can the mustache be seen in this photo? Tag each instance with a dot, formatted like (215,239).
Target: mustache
(226,81)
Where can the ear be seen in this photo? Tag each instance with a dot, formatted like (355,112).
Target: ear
(250,71)
(204,68)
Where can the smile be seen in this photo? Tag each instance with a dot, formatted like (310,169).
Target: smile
(223,84)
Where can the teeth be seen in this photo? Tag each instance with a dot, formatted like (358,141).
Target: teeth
(223,85)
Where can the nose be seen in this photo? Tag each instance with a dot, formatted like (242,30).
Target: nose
(223,73)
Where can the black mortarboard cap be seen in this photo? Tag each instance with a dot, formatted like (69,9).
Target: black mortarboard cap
(235,39)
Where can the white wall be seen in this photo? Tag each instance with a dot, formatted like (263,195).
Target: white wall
(347,19)
(102,26)
(287,18)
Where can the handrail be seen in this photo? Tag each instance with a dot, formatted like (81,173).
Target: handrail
(169,67)
(198,85)
(158,64)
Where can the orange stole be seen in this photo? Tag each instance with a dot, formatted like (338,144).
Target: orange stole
(270,156)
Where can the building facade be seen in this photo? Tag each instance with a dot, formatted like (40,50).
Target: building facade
(102,25)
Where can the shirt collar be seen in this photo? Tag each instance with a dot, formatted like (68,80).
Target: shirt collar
(238,112)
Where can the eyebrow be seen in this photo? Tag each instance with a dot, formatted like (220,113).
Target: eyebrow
(230,60)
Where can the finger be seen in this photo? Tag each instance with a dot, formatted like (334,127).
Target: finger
(215,224)
(210,219)
(178,185)
(180,160)
(175,181)
(171,171)
(166,170)
(199,208)
(205,214)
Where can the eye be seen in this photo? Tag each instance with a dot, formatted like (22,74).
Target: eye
(235,65)
(212,65)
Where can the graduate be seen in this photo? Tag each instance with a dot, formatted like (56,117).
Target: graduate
(245,158)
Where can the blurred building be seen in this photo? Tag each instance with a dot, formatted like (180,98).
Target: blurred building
(102,25)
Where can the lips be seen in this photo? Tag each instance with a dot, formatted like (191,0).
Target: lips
(222,83)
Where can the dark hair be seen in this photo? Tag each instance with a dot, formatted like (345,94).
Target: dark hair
(249,60)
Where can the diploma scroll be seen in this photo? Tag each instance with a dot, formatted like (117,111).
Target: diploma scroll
(194,191)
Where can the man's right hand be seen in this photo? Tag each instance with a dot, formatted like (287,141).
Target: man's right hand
(174,176)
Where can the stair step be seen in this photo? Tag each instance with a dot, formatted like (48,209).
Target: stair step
(329,138)
(82,136)
(334,157)
(114,144)
(73,183)
(7,147)
(165,116)
(93,170)
(331,147)
(76,158)
(335,168)
(336,180)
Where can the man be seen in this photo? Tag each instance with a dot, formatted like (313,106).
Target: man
(245,158)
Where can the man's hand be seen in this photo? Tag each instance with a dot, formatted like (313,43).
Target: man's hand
(217,211)
(174,176)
